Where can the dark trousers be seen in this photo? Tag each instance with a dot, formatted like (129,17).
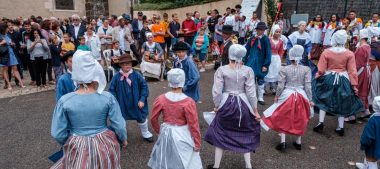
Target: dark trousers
(241,40)
(168,42)
(189,40)
(28,65)
(40,67)
(49,69)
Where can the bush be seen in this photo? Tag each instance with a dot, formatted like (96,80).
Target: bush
(168,4)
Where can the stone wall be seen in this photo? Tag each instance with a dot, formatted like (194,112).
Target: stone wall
(364,8)
(46,8)
(94,8)
(220,5)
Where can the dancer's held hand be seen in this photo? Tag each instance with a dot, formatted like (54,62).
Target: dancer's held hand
(264,69)
(141,105)
(125,143)
(356,91)
(257,115)
(215,109)
(276,99)
(311,104)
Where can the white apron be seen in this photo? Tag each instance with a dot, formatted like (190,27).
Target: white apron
(274,69)
(174,149)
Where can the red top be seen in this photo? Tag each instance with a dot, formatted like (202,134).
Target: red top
(189,24)
(177,113)
(339,62)
(277,49)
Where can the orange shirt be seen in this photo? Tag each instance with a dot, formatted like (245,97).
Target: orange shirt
(158,28)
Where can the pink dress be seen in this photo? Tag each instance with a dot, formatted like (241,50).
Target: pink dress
(362,55)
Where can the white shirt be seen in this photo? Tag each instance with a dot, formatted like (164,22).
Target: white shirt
(140,24)
(252,24)
(121,38)
(93,42)
(76,30)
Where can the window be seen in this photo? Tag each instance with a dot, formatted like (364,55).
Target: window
(64,4)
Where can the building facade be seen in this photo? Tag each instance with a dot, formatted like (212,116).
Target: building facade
(326,8)
(63,8)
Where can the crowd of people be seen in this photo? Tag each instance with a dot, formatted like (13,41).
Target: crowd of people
(330,67)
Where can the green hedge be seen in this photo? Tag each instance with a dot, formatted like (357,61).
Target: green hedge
(168,4)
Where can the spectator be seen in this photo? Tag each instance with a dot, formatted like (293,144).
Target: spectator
(105,35)
(211,22)
(25,35)
(45,31)
(82,44)
(168,39)
(93,42)
(252,24)
(39,53)
(67,45)
(174,28)
(200,45)
(218,35)
(65,25)
(12,63)
(238,10)
(55,50)
(152,58)
(76,30)
(189,28)
(123,34)
(242,30)
(137,25)
(158,31)
(15,36)
(197,17)
(143,33)
(283,23)
(94,25)
(100,21)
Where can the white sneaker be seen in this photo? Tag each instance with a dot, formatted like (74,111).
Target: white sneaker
(202,70)
(361,166)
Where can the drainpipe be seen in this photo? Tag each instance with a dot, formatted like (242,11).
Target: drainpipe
(297,7)
(345,8)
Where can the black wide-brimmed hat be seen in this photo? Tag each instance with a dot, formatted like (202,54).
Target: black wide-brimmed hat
(228,29)
(180,46)
(66,56)
(126,58)
(261,26)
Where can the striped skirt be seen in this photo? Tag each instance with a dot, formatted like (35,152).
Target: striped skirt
(101,151)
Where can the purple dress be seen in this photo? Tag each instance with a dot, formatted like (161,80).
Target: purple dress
(234,127)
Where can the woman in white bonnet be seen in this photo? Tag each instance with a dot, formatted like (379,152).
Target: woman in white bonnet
(236,125)
(80,126)
(335,87)
(179,140)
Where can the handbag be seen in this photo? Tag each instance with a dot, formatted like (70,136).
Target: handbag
(4,54)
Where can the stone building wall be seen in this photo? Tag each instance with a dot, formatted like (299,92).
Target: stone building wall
(364,8)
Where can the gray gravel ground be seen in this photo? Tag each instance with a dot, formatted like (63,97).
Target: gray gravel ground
(26,142)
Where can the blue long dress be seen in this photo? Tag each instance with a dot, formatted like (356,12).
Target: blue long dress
(129,96)
(370,140)
(191,87)
(64,85)
(258,56)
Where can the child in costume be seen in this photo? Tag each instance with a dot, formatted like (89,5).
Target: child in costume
(131,91)
(65,84)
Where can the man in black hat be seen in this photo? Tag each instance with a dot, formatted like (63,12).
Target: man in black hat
(258,57)
(65,84)
(227,31)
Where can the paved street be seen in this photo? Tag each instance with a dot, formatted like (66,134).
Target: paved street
(26,142)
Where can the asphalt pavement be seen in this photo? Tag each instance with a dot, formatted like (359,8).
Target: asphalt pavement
(26,143)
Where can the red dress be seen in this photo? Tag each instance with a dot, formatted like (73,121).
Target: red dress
(362,55)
